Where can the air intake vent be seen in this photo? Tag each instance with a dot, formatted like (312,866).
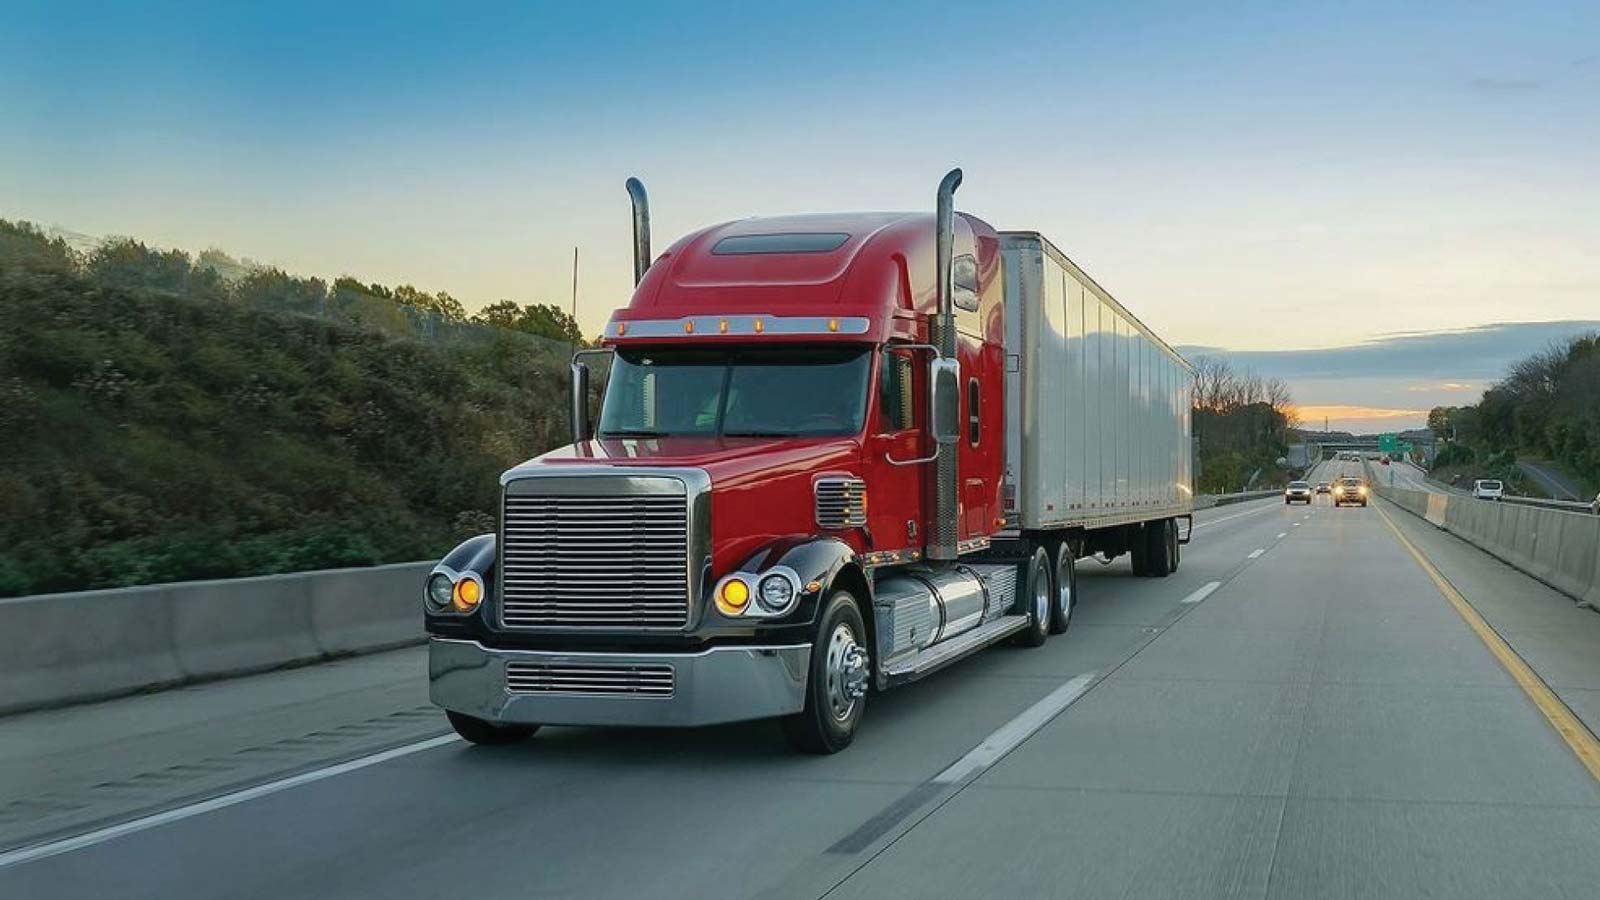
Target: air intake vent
(841,502)
(608,680)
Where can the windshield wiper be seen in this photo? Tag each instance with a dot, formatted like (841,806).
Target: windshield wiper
(759,434)
(634,433)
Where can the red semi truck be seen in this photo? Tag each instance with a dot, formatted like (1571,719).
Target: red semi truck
(835,453)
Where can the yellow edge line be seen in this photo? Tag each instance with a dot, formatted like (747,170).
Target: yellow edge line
(1579,739)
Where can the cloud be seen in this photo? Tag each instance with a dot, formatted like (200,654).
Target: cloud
(1343,412)
(1462,356)
(1443,386)
(1489,85)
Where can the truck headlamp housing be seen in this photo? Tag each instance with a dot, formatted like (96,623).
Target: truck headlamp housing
(751,595)
(439,591)
(776,593)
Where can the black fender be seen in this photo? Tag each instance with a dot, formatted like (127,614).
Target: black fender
(475,555)
(819,561)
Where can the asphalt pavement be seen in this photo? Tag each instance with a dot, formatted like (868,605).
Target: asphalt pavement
(1298,712)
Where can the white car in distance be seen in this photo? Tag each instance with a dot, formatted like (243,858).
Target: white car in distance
(1488,489)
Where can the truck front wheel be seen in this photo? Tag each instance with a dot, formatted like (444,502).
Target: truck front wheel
(477,731)
(836,690)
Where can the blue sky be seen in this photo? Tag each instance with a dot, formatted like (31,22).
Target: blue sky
(1257,177)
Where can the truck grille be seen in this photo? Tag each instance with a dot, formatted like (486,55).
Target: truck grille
(841,502)
(595,561)
(571,678)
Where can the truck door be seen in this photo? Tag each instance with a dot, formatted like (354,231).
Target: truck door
(896,493)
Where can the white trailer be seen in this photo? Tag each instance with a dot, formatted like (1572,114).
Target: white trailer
(1097,405)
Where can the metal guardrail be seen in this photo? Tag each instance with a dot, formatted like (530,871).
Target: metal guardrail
(1569,505)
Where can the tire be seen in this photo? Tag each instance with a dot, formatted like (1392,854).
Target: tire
(1177,548)
(1138,550)
(839,656)
(1038,597)
(1158,556)
(477,731)
(1066,588)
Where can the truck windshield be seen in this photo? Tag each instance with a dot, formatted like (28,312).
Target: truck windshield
(770,392)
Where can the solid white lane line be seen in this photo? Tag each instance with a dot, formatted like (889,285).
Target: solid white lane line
(1204,592)
(1256,552)
(111,832)
(1008,736)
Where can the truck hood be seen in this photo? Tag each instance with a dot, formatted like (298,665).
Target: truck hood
(729,461)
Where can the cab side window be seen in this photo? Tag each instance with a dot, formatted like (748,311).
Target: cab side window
(894,392)
(974,421)
(964,278)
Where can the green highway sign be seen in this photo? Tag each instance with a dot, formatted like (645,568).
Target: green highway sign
(1387,443)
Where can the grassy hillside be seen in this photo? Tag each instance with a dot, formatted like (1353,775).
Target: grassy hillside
(159,422)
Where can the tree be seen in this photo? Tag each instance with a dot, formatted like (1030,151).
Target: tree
(543,319)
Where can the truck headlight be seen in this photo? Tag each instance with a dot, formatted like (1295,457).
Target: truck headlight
(776,593)
(440,590)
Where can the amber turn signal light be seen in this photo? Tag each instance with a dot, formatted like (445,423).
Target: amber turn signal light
(468,593)
(733,597)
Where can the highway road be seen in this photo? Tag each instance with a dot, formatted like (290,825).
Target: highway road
(1300,711)
(1558,484)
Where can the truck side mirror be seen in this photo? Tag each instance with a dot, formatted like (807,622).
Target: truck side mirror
(579,403)
(944,377)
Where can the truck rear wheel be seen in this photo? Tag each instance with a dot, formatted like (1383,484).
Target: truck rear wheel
(836,691)
(1172,542)
(1038,598)
(1138,548)
(1157,551)
(477,731)
(1066,585)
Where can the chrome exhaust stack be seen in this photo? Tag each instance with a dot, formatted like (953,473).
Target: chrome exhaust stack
(942,543)
(641,228)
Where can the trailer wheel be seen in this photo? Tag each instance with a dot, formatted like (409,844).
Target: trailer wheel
(1038,597)
(1172,542)
(1138,537)
(1157,553)
(836,691)
(1066,585)
(477,731)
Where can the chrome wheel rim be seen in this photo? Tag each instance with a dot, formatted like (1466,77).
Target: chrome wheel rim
(1041,595)
(1064,593)
(845,671)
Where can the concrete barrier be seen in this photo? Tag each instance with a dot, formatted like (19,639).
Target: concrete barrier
(1206,501)
(355,610)
(1557,546)
(90,645)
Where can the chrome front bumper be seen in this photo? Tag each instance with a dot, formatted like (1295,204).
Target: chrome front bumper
(723,684)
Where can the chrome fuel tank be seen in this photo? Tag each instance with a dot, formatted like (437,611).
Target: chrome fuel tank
(917,608)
